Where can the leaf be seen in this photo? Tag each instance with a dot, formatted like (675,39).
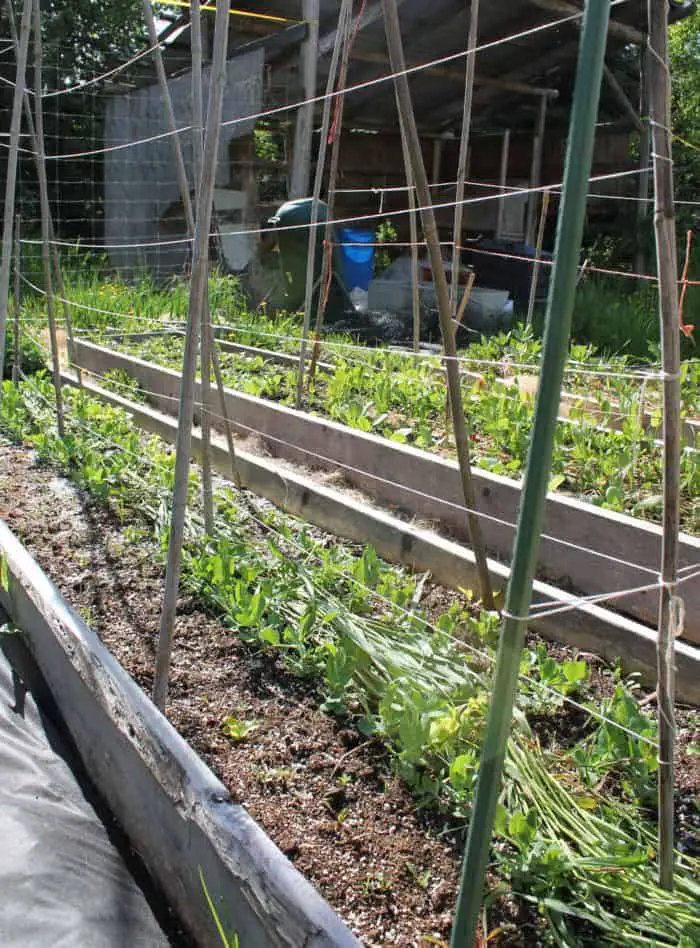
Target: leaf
(237,729)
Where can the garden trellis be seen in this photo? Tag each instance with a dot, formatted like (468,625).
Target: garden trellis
(134,338)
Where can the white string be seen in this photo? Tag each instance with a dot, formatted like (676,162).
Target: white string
(257,231)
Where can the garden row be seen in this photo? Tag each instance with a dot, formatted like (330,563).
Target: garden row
(576,835)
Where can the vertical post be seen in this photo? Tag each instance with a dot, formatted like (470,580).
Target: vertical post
(11,174)
(464,150)
(45,213)
(670,606)
(398,66)
(198,287)
(538,257)
(303,133)
(16,349)
(640,263)
(413,232)
(558,323)
(205,361)
(502,181)
(343,15)
(536,170)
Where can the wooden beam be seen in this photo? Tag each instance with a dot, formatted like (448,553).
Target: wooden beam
(622,31)
(372,14)
(621,97)
(457,75)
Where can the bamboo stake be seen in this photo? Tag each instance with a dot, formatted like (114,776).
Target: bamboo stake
(16,353)
(343,16)
(303,133)
(538,257)
(224,411)
(29,117)
(183,184)
(560,306)
(45,214)
(200,268)
(536,169)
(644,158)
(327,265)
(205,361)
(503,180)
(670,608)
(11,175)
(398,65)
(472,39)
(413,232)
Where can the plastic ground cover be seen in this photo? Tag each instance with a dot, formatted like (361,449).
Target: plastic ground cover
(64,878)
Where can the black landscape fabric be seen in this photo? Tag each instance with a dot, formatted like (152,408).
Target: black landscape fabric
(63,881)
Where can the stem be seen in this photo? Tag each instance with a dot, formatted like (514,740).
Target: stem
(396,56)
(524,561)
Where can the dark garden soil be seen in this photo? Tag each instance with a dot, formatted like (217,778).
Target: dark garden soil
(326,796)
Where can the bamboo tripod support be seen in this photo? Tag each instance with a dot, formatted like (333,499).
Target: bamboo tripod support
(11,174)
(343,18)
(397,61)
(200,269)
(45,216)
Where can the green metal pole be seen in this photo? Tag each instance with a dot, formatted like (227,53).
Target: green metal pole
(558,323)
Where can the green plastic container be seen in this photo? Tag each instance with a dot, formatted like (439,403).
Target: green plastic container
(292,220)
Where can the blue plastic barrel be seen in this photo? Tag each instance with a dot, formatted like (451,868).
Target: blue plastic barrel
(357,260)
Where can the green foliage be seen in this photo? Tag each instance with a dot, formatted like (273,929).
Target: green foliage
(386,234)
(31,357)
(577,853)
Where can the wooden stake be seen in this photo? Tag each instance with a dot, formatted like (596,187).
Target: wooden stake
(472,39)
(671,604)
(11,175)
(398,65)
(303,135)
(150,22)
(640,263)
(538,257)
(200,270)
(205,361)
(29,117)
(413,232)
(16,352)
(502,181)
(343,16)
(536,170)
(327,265)
(45,215)
(224,410)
